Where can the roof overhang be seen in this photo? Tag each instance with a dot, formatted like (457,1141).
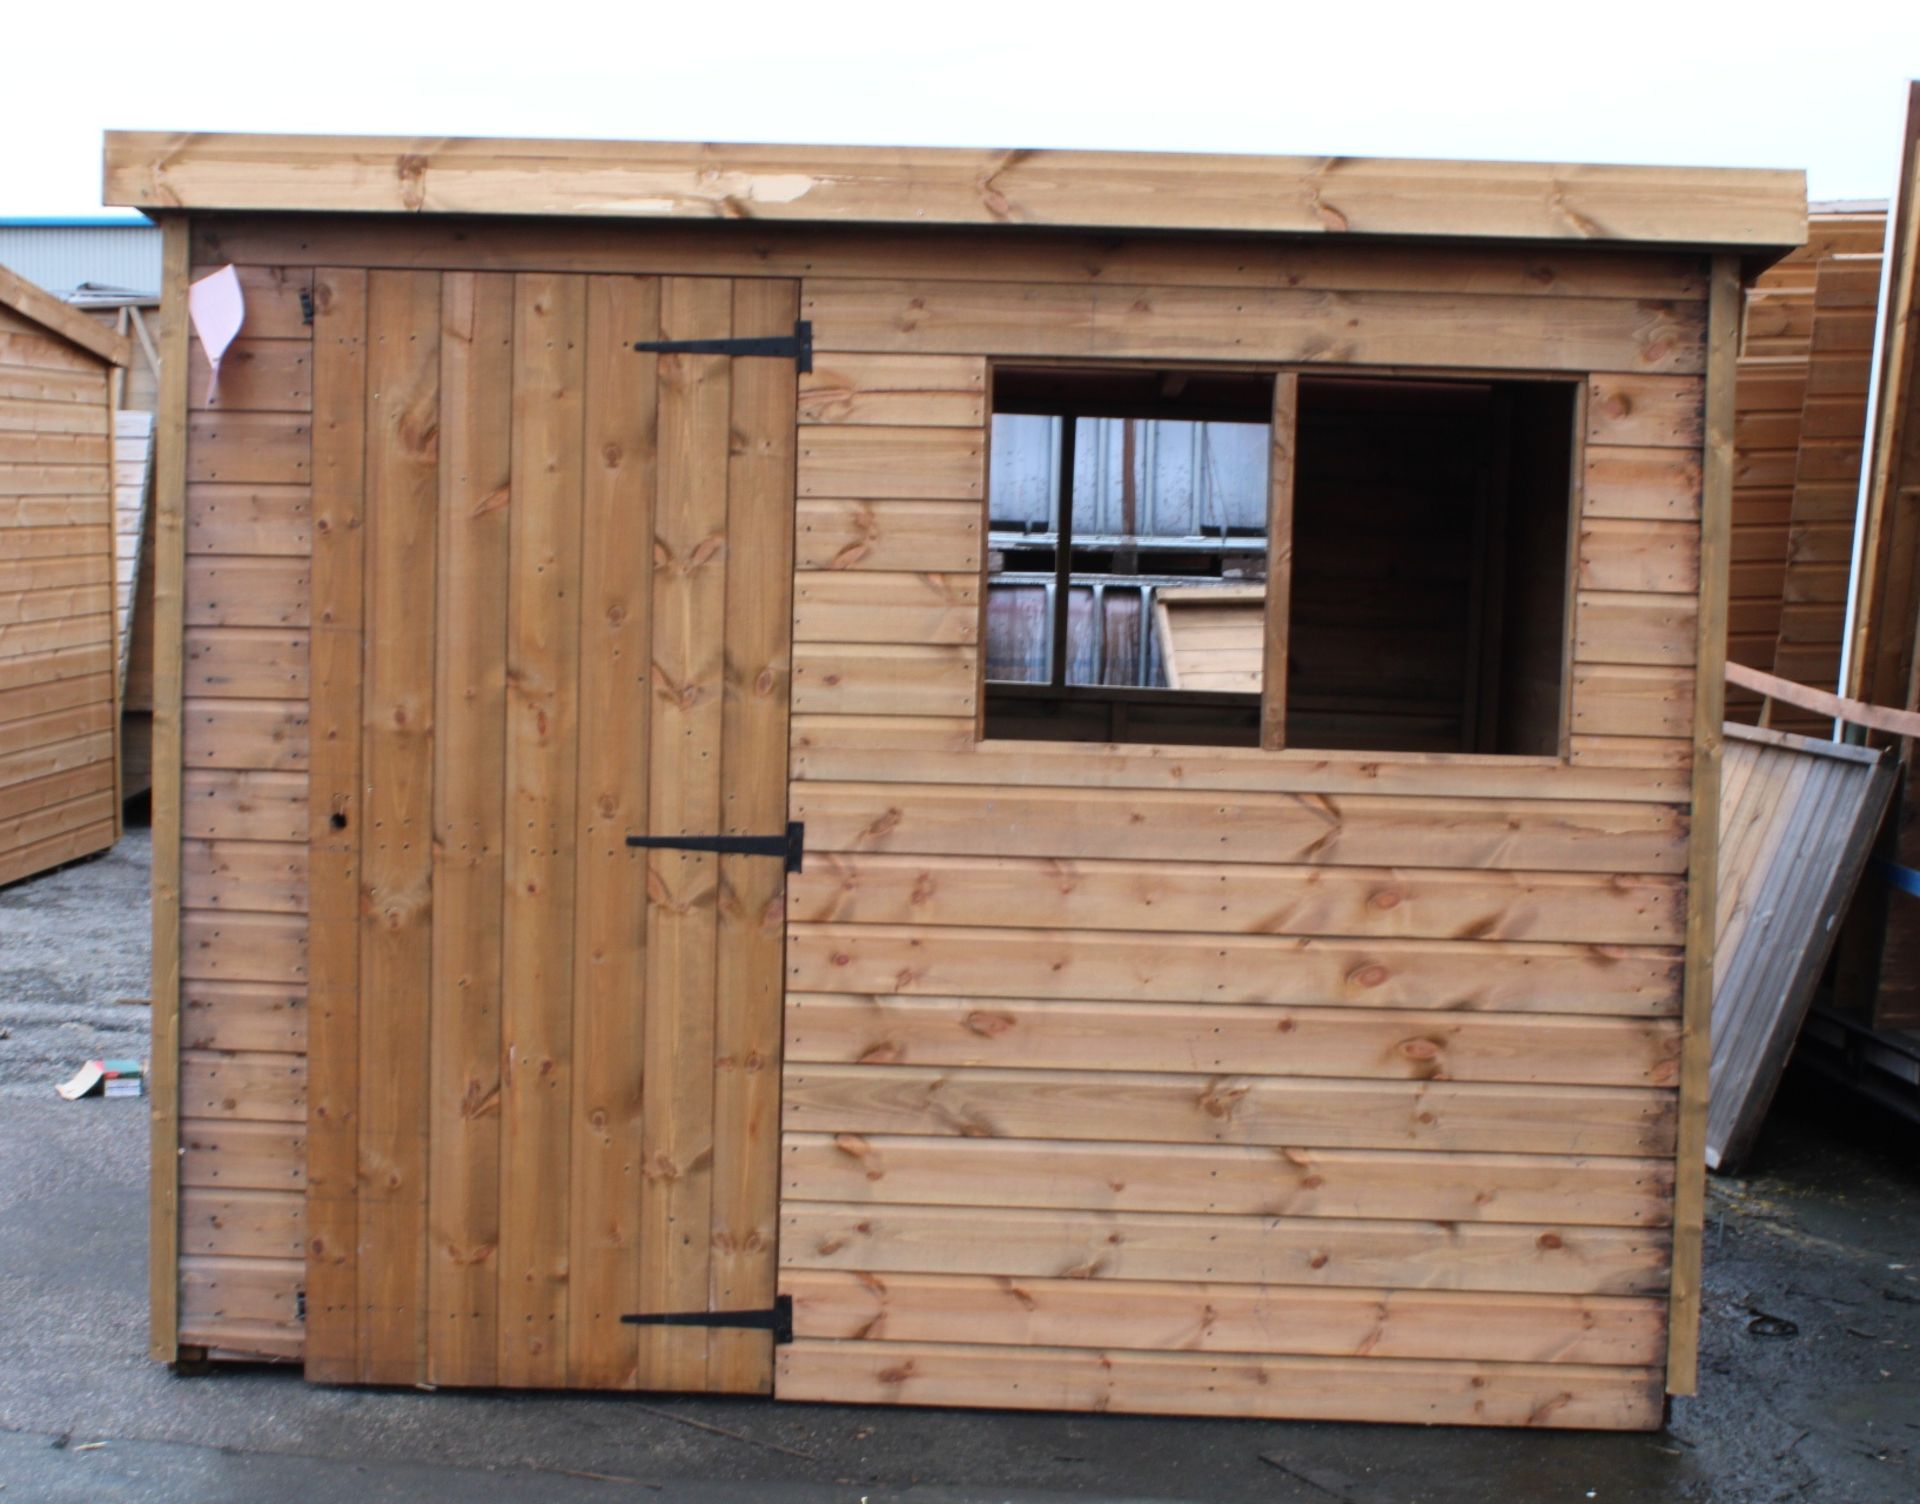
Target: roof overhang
(44,309)
(1736,209)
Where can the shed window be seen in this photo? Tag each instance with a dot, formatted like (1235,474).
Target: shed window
(1367,563)
(1127,555)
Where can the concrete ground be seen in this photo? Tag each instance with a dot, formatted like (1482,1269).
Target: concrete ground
(1810,1389)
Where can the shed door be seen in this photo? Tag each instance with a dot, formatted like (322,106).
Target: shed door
(551,610)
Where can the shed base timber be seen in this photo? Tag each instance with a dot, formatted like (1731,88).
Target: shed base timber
(1237,1387)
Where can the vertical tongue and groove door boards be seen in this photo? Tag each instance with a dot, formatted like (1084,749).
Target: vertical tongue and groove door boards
(552,581)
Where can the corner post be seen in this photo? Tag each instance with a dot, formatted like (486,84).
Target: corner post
(1709,712)
(169,566)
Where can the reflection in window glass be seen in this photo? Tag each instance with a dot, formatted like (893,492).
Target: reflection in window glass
(1163,514)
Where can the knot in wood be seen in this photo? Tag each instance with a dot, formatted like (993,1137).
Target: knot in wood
(988,1025)
(1219,1099)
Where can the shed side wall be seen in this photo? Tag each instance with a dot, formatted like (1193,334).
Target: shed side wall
(1166,1079)
(243,867)
(58,690)
(1351,1077)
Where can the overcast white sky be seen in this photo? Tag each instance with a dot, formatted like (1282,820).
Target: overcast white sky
(1676,82)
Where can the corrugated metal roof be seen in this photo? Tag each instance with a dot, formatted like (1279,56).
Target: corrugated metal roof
(62,255)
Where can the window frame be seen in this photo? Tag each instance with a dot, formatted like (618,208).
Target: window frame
(1283,419)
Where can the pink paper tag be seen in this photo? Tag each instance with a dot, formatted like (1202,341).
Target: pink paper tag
(218,308)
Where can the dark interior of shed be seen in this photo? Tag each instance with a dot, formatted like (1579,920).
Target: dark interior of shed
(1430,545)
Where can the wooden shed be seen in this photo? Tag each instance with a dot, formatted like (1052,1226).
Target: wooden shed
(59,681)
(611,862)
(1799,434)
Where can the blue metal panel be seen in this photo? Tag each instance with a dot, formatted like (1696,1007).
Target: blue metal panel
(61,257)
(1189,479)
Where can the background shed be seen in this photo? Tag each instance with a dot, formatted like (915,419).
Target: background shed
(110,269)
(59,687)
(1806,343)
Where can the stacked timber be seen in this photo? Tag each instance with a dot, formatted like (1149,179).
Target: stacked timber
(59,764)
(1885,988)
(1797,819)
(1800,419)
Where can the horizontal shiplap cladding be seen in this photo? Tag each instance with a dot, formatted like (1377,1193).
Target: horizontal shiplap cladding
(252,1224)
(273,520)
(1092,964)
(896,391)
(1424,903)
(243,947)
(248,448)
(1302,1388)
(248,1305)
(242,591)
(1181,1107)
(1222,1318)
(889,535)
(243,805)
(67,706)
(243,1016)
(1360,829)
(863,729)
(1244,1039)
(1636,628)
(1254,324)
(245,663)
(50,511)
(1645,483)
(907,609)
(1237,1180)
(1256,1251)
(269,1087)
(245,735)
(235,876)
(261,1156)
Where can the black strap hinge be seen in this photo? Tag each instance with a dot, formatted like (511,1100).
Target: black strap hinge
(777,1318)
(796,347)
(791,847)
